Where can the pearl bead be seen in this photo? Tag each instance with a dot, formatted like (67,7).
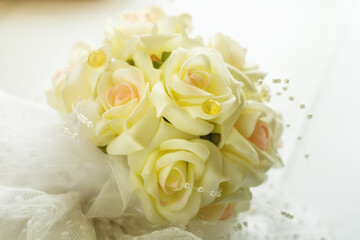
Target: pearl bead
(259,81)
(187,185)
(200,189)
(287,214)
(276,80)
(90,124)
(309,116)
(218,194)
(213,193)
(211,107)
(96,58)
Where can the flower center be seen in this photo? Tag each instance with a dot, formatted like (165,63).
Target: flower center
(211,107)
(174,182)
(120,94)
(198,78)
(261,136)
(96,58)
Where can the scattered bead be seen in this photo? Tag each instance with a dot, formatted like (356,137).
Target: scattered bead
(278,93)
(306,155)
(302,106)
(286,214)
(259,82)
(288,125)
(284,88)
(90,124)
(96,58)
(299,138)
(276,80)
(309,116)
(265,93)
(187,185)
(213,193)
(287,81)
(245,224)
(200,189)
(211,107)
(291,98)
(237,226)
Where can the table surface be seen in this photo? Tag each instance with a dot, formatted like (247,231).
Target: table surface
(313,43)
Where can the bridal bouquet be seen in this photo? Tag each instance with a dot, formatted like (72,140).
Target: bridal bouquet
(190,117)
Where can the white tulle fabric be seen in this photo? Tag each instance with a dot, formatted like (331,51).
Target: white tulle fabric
(53,186)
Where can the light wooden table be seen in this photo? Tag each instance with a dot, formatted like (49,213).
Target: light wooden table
(314,43)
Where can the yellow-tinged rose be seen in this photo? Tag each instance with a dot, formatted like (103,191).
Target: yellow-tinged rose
(197,94)
(230,50)
(80,79)
(176,175)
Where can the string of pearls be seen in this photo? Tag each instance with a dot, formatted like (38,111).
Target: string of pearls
(68,132)
(291,98)
(84,120)
(201,190)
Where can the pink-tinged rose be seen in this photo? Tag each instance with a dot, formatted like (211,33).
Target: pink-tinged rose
(121,94)
(228,212)
(126,115)
(261,136)
(227,206)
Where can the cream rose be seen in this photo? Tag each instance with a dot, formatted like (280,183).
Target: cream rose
(80,79)
(228,206)
(262,127)
(176,176)
(197,93)
(230,50)
(127,111)
(145,27)
(250,149)
(147,20)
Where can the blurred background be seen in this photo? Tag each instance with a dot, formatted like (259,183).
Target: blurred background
(314,43)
